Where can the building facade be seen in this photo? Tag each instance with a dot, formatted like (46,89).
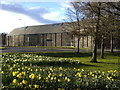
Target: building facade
(45,35)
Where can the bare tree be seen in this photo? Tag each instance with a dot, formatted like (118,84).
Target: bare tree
(73,22)
(92,12)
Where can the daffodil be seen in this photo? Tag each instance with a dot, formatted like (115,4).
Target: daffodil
(24,82)
(60,68)
(20,84)
(82,70)
(36,70)
(30,86)
(60,75)
(36,86)
(59,80)
(14,81)
(2,72)
(19,76)
(51,78)
(39,78)
(68,80)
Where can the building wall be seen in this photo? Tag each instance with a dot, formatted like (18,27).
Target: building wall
(46,39)
(55,39)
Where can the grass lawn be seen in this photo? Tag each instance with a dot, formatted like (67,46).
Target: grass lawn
(2,47)
(110,62)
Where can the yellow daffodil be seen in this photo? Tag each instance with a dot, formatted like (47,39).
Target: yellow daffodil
(51,78)
(28,68)
(23,68)
(39,78)
(82,70)
(96,76)
(40,69)
(30,86)
(68,80)
(24,73)
(59,80)
(60,75)
(19,76)
(18,69)
(60,68)
(54,78)
(36,86)
(20,84)
(24,82)
(11,68)
(14,73)
(36,70)
(32,76)
(2,72)
(14,81)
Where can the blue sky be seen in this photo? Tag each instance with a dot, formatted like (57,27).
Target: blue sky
(19,14)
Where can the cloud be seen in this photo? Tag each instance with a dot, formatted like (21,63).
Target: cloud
(10,20)
(34,13)
(55,16)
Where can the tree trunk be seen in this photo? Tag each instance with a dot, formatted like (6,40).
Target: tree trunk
(94,54)
(78,45)
(111,44)
(102,48)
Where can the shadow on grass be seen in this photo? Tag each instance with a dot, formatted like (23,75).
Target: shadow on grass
(107,63)
(65,64)
(66,55)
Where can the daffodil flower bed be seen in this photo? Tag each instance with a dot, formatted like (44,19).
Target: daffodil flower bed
(23,71)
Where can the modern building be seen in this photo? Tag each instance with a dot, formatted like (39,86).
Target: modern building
(45,35)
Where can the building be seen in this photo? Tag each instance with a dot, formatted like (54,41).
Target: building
(45,35)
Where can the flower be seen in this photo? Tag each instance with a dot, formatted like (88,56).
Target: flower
(32,76)
(60,75)
(36,86)
(39,78)
(24,73)
(14,73)
(59,80)
(36,70)
(68,80)
(82,69)
(19,76)
(2,72)
(14,81)
(20,84)
(24,82)
(30,86)
(60,68)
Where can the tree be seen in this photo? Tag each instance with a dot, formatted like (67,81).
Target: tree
(92,12)
(112,7)
(72,24)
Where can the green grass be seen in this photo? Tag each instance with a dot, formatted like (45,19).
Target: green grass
(2,47)
(109,63)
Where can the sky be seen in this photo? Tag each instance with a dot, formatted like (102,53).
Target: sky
(19,14)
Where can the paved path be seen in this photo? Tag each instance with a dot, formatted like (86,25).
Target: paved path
(43,49)
(34,49)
